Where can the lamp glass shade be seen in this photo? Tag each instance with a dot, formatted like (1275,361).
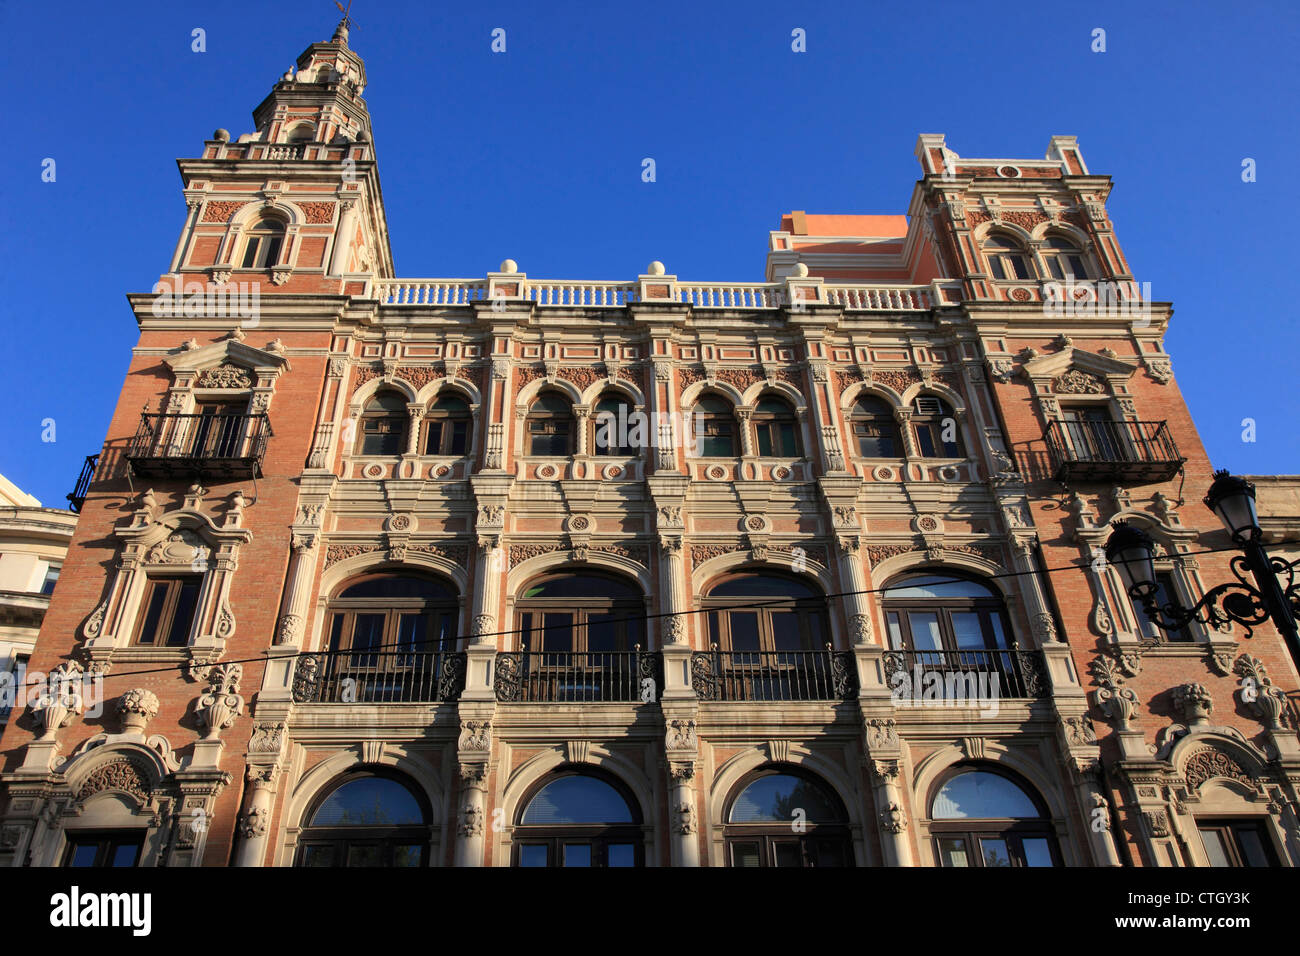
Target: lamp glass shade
(1132,552)
(1232,500)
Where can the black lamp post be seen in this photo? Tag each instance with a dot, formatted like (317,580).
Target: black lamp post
(1132,551)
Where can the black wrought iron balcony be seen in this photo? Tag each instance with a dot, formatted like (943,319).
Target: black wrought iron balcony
(379,677)
(220,446)
(77,497)
(774,675)
(1112,451)
(969,677)
(579,677)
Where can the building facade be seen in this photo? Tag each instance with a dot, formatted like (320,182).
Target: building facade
(508,571)
(33,543)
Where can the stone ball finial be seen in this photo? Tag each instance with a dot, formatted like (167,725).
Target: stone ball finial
(509,265)
(222,136)
(800,269)
(655,268)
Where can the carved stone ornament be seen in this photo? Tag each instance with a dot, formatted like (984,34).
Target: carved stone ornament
(1258,693)
(471,820)
(136,708)
(1001,369)
(860,628)
(61,702)
(1078,382)
(224,376)
(1158,821)
(1117,702)
(893,819)
(475,735)
(267,738)
(680,735)
(882,733)
(180,547)
(685,818)
(218,708)
(124,774)
(1207,764)
(1194,702)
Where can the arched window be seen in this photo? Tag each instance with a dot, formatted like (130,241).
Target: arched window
(1007,258)
(395,628)
(302,133)
(983,817)
(579,818)
(262,247)
(776,429)
(550,425)
(617,430)
(383,425)
(765,626)
(778,817)
(875,428)
(581,632)
(446,427)
(940,612)
(1064,259)
(937,433)
(367,819)
(714,421)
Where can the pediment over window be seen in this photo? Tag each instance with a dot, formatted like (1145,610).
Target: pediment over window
(227,364)
(1070,359)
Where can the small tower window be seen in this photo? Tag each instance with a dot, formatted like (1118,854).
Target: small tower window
(1064,259)
(262,248)
(447,427)
(1007,259)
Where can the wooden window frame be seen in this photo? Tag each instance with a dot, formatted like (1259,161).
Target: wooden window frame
(174,584)
(717,425)
(1230,826)
(931,427)
(885,425)
(106,841)
(1012,830)
(769,836)
(446,435)
(1057,259)
(1003,262)
(263,247)
(597,414)
(378,421)
(598,836)
(545,423)
(771,423)
(341,839)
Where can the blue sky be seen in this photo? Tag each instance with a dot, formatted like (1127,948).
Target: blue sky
(535,154)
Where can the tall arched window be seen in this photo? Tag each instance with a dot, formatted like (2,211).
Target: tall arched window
(367,819)
(302,133)
(875,428)
(947,613)
(581,632)
(776,429)
(262,246)
(1064,259)
(766,627)
(394,628)
(384,424)
(714,421)
(615,429)
(778,817)
(579,818)
(952,624)
(550,425)
(1007,258)
(983,817)
(938,434)
(446,426)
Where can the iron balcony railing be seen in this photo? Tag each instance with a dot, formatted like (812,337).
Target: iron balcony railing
(77,497)
(379,677)
(952,678)
(1112,451)
(774,675)
(222,445)
(579,677)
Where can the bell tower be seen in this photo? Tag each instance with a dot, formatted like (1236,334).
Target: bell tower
(294,206)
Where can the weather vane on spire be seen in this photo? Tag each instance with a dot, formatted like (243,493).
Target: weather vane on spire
(347,20)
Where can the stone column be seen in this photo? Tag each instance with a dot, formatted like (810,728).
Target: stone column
(343,237)
(743,414)
(469,825)
(889,809)
(302,568)
(904,418)
(255,820)
(581,415)
(488,571)
(685,822)
(1097,814)
(854,579)
(183,242)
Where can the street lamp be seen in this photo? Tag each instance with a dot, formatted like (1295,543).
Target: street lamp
(1232,499)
